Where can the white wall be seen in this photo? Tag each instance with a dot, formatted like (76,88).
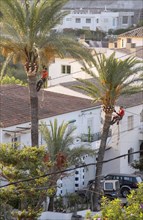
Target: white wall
(130,138)
(122,140)
(82,118)
(58,77)
(103,20)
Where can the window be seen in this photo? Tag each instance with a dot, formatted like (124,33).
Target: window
(15,140)
(76,185)
(97,20)
(129,40)
(130,156)
(76,178)
(125,20)
(113,21)
(77,20)
(88,20)
(127,179)
(109,186)
(76,172)
(68,19)
(141,116)
(130,122)
(66,69)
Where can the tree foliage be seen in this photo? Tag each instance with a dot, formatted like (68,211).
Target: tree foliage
(27,35)
(111,77)
(17,165)
(138,164)
(113,210)
(59,140)
(10,80)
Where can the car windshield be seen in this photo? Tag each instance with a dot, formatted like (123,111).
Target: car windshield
(139,180)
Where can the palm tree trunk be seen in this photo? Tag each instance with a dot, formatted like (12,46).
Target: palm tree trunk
(51,203)
(34,110)
(100,158)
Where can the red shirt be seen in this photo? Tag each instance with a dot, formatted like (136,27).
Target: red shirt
(44,74)
(121,112)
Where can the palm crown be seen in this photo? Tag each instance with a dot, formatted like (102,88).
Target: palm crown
(114,77)
(27,32)
(59,140)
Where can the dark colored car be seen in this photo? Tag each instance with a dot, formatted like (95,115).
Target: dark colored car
(127,182)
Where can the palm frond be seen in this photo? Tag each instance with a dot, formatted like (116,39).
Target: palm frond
(113,76)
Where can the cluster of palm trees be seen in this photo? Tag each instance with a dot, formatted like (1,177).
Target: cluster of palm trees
(27,35)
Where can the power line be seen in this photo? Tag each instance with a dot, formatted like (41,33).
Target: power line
(118,57)
(70,169)
(79,71)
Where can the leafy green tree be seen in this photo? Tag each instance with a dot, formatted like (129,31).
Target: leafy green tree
(59,139)
(138,164)
(23,197)
(27,35)
(114,77)
(113,210)
(10,80)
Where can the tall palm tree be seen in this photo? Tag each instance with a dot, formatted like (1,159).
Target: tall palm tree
(114,77)
(27,34)
(59,139)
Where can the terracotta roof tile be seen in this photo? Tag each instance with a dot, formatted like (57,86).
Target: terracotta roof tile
(138,53)
(15,104)
(138,32)
(125,100)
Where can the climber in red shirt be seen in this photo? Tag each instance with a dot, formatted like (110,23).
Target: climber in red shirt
(119,116)
(44,76)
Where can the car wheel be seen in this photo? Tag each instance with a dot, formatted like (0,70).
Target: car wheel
(125,192)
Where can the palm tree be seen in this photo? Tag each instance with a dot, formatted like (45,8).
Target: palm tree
(27,35)
(114,77)
(58,140)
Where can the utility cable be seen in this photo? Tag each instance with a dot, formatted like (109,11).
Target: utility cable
(70,169)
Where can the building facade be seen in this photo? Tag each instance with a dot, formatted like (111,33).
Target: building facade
(93,19)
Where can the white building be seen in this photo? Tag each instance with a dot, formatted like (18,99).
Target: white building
(127,137)
(93,19)
(80,112)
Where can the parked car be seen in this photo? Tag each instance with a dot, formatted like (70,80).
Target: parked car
(127,182)
(109,188)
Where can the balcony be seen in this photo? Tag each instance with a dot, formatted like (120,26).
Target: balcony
(93,137)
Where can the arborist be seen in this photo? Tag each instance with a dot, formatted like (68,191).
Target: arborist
(44,76)
(119,115)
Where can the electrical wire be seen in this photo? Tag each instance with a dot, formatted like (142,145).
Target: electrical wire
(117,58)
(82,71)
(70,169)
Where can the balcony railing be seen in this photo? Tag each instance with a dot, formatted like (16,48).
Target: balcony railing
(93,137)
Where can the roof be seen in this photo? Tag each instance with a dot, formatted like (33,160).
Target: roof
(15,104)
(121,174)
(125,100)
(138,32)
(138,51)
